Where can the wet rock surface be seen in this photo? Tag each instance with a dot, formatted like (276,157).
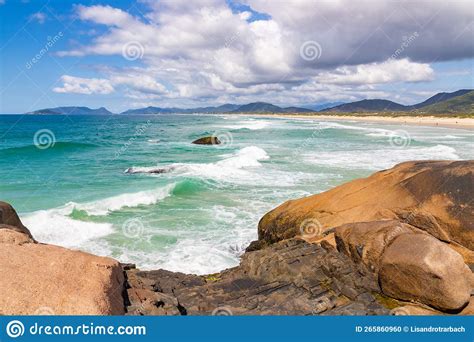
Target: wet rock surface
(211,140)
(291,277)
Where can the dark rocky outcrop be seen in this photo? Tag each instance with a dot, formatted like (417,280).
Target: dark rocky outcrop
(291,277)
(211,140)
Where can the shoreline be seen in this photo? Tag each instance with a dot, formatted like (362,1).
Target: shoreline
(432,121)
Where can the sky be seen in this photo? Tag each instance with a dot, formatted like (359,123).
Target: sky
(181,53)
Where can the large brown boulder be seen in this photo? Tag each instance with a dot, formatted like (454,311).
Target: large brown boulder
(418,267)
(45,279)
(366,241)
(435,196)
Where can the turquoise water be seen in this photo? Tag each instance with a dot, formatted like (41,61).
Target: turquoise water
(70,186)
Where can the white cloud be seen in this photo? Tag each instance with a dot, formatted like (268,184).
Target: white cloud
(393,70)
(87,86)
(139,82)
(40,17)
(202,51)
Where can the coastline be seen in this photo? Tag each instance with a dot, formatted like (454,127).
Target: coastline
(460,123)
(276,274)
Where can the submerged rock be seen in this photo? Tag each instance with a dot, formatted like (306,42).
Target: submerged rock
(211,140)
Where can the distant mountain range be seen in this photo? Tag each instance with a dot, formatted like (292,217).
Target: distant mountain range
(427,106)
(320,106)
(72,111)
(256,107)
(461,101)
(463,104)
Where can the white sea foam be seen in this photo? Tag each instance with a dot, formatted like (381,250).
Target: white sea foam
(250,124)
(450,137)
(55,227)
(104,206)
(205,249)
(232,168)
(379,159)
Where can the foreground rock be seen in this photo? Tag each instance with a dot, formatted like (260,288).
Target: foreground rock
(366,241)
(417,267)
(435,196)
(411,264)
(211,140)
(45,279)
(291,277)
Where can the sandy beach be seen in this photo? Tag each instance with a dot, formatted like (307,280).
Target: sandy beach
(461,123)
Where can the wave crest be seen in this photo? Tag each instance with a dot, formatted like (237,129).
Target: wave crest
(226,169)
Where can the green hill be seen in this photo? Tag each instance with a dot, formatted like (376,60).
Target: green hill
(463,104)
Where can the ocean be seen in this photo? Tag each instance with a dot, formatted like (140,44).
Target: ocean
(84,182)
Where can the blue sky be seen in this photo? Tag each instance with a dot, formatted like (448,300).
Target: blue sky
(130,54)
